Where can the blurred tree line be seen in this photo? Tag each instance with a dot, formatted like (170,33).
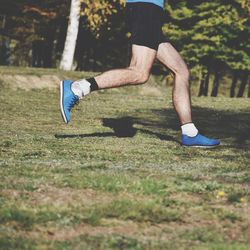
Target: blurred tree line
(212,36)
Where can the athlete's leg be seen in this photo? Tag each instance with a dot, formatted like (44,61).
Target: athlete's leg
(137,73)
(181,97)
(168,56)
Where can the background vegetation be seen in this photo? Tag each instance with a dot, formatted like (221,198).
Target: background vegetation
(213,37)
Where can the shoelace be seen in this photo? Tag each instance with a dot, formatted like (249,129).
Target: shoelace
(74,101)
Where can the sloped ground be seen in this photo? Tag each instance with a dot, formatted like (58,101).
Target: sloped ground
(35,78)
(117,177)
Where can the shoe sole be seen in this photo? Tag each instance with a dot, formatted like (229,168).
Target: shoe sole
(205,147)
(61,103)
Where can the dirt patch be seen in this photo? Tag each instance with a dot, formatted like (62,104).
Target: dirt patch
(186,198)
(128,228)
(49,195)
(58,197)
(142,231)
(28,82)
(150,91)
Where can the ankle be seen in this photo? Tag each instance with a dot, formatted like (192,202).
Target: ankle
(189,129)
(93,84)
(84,87)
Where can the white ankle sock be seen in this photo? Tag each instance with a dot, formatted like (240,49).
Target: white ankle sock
(189,129)
(81,88)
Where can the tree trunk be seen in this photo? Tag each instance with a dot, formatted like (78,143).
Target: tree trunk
(216,84)
(49,46)
(71,37)
(243,84)
(202,83)
(206,83)
(248,95)
(234,83)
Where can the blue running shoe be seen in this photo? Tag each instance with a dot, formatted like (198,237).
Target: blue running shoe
(199,141)
(67,99)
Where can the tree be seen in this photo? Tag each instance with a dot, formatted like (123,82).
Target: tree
(32,29)
(243,84)
(72,32)
(96,14)
(234,83)
(204,84)
(248,95)
(210,34)
(215,89)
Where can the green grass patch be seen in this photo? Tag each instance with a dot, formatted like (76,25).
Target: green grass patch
(119,167)
(101,242)
(115,182)
(203,235)
(10,243)
(134,210)
(27,218)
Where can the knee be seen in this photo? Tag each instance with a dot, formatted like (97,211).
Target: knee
(183,72)
(186,73)
(143,77)
(140,76)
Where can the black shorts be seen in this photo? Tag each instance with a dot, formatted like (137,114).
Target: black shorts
(144,22)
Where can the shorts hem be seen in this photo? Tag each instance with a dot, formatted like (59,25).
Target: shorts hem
(145,45)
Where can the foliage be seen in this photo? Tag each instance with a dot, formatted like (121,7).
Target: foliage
(212,36)
(211,33)
(97,12)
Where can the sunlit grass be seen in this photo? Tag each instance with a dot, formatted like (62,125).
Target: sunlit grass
(117,177)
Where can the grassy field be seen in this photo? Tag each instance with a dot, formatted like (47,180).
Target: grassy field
(116,177)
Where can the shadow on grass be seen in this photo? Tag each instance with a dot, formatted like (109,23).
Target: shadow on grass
(214,123)
(223,124)
(123,127)
(65,136)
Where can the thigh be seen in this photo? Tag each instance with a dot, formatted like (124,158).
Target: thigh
(144,22)
(142,58)
(170,57)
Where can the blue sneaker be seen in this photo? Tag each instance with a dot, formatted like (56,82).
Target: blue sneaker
(199,141)
(67,99)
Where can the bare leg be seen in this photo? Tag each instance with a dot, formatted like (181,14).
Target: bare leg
(137,73)
(168,56)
